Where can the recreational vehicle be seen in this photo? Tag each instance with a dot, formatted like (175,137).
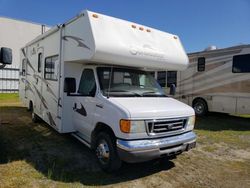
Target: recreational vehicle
(216,80)
(88,77)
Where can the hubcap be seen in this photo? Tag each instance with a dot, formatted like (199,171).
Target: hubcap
(199,108)
(102,152)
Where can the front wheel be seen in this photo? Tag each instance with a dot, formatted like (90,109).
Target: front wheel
(200,107)
(106,152)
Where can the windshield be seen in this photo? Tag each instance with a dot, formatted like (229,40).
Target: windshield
(128,83)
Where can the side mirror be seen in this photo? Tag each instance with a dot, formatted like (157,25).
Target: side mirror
(6,56)
(172,89)
(69,85)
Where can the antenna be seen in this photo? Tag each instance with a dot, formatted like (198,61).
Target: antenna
(110,79)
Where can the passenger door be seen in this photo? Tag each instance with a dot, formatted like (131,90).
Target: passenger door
(84,105)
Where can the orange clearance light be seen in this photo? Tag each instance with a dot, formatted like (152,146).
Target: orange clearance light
(95,15)
(148,30)
(133,26)
(175,37)
(141,28)
(125,125)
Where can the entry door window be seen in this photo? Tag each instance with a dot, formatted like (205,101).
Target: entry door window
(87,86)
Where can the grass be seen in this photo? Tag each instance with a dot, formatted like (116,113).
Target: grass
(7,99)
(35,155)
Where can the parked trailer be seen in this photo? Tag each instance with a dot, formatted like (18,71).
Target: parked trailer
(87,77)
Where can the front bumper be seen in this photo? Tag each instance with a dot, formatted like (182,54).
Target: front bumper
(147,149)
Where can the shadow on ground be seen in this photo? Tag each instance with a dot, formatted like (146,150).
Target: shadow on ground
(60,157)
(220,122)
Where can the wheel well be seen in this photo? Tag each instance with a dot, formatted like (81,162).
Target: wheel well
(30,107)
(100,127)
(199,98)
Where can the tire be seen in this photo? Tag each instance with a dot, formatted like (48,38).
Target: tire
(200,107)
(30,107)
(35,118)
(106,153)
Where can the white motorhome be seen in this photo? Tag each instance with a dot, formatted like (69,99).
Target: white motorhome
(87,77)
(217,80)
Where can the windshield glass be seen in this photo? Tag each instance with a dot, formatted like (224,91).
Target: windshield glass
(128,83)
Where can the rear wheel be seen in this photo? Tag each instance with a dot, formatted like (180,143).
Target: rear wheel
(35,118)
(106,152)
(200,107)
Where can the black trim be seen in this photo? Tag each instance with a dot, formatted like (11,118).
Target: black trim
(3,90)
(11,69)
(9,79)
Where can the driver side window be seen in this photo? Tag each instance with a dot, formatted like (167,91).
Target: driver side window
(87,86)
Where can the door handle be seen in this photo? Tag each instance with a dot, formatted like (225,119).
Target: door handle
(99,105)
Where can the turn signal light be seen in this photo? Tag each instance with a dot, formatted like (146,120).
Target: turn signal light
(125,125)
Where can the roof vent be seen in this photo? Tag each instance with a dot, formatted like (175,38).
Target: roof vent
(209,48)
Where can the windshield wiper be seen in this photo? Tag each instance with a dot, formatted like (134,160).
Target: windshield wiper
(126,91)
(153,93)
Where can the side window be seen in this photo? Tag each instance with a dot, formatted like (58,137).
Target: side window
(39,62)
(161,78)
(241,63)
(171,78)
(201,64)
(87,84)
(50,68)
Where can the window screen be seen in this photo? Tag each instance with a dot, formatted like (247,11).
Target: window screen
(241,63)
(50,68)
(201,64)
(171,78)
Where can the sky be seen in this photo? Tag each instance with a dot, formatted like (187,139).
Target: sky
(199,23)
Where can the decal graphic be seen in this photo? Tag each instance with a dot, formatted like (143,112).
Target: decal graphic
(47,83)
(51,120)
(28,87)
(78,40)
(41,98)
(81,110)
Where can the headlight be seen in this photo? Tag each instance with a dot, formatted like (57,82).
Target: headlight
(132,126)
(190,123)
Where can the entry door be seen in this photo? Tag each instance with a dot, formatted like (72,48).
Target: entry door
(39,81)
(84,105)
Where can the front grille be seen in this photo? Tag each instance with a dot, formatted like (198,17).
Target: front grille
(155,127)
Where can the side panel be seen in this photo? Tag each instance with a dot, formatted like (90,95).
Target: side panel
(43,92)
(243,105)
